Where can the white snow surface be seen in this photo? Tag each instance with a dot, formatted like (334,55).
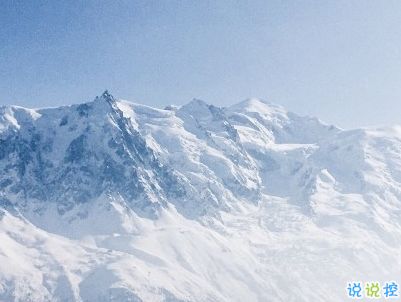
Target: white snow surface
(115,201)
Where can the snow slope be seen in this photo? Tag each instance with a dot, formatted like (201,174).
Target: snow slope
(115,201)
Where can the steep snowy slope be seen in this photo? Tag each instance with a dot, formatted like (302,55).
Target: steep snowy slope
(115,201)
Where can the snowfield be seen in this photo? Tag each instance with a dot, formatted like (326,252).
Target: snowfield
(115,201)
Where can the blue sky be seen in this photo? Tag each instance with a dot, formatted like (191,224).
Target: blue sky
(338,60)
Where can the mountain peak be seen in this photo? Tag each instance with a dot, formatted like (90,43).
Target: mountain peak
(257,105)
(107,95)
(102,104)
(197,103)
(196,107)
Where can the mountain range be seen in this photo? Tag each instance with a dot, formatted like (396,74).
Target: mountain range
(115,201)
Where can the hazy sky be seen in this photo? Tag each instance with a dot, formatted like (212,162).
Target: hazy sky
(338,60)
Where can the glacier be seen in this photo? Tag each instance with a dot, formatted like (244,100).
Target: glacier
(117,201)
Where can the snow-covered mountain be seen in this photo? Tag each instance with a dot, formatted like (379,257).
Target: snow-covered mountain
(115,201)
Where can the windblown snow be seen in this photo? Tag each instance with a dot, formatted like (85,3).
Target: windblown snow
(115,201)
